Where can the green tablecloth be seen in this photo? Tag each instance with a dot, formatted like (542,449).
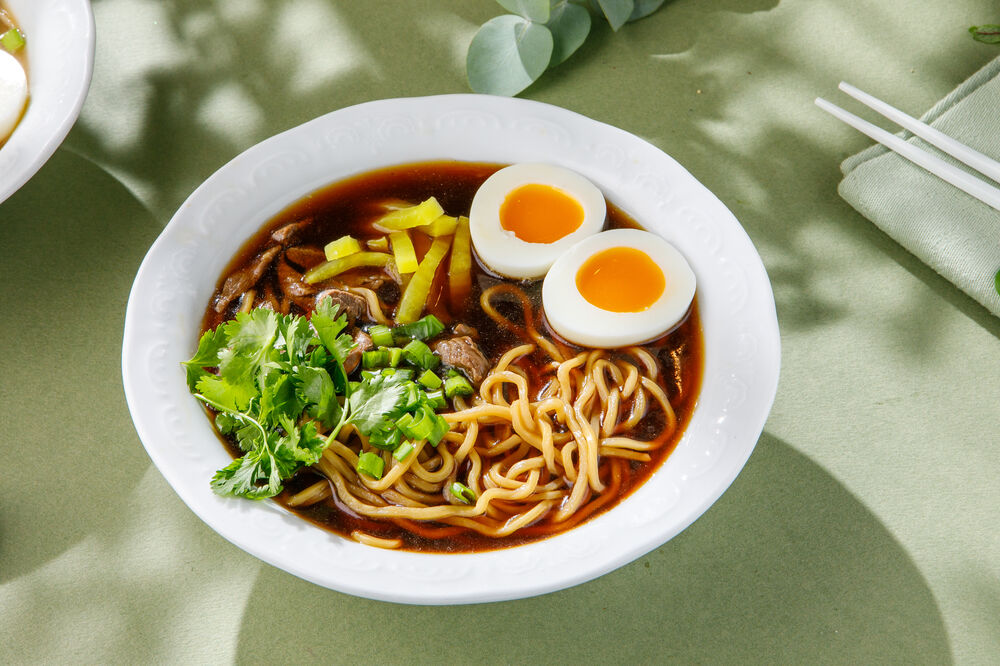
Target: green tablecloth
(864,528)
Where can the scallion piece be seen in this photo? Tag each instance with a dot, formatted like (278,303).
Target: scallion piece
(413,395)
(462,493)
(420,355)
(430,380)
(387,439)
(378,358)
(424,328)
(395,356)
(403,451)
(436,399)
(457,385)
(438,430)
(418,426)
(368,375)
(381,335)
(371,464)
(12,41)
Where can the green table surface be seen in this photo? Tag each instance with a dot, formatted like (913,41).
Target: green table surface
(864,528)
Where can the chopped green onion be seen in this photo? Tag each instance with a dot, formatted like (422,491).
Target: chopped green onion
(430,380)
(381,335)
(368,375)
(378,358)
(422,329)
(395,356)
(438,430)
(419,425)
(413,395)
(12,41)
(403,451)
(387,438)
(457,384)
(388,372)
(463,493)
(371,464)
(436,399)
(420,355)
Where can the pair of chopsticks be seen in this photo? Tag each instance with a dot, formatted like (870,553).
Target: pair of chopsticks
(963,180)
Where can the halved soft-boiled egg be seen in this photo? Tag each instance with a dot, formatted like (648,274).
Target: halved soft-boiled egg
(617,288)
(526,215)
(13,93)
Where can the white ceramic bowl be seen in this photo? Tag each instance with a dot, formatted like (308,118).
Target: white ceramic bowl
(60,35)
(178,275)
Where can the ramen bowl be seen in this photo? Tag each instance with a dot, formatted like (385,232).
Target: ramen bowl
(60,47)
(181,271)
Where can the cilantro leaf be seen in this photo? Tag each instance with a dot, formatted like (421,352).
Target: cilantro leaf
(207,356)
(228,396)
(256,476)
(376,400)
(315,387)
(329,326)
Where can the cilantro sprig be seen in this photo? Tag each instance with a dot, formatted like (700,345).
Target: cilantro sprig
(271,378)
(275,377)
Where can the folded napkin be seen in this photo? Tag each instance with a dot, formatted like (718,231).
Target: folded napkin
(950,231)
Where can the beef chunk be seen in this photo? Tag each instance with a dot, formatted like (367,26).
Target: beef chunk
(245,278)
(286,234)
(463,354)
(362,343)
(305,256)
(354,306)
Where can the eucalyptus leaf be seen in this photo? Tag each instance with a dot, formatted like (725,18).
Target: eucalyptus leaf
(570,25)
(533,10)
(616,11)
(987,34)
(644,8)
(507,54)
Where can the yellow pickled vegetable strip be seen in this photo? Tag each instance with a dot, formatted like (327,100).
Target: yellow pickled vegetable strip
(443,226)
(402,250)
(460,264)
(329,269)
(381,243)
(342,247)
(414,299)
(413,216)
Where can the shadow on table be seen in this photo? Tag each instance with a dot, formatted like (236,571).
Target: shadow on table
(72,241)
(786,566)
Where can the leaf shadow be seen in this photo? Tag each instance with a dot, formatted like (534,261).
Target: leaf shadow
(68,262)
(788,562)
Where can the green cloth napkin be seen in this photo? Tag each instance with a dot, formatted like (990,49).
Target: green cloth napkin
(950,231)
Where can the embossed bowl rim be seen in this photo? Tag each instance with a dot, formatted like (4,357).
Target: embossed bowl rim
(60,36)
(178,275)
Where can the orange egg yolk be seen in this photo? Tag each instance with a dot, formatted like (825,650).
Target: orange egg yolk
(540,213)
(621,279)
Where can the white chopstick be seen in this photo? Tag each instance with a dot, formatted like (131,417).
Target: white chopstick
(951,174)
(961,152)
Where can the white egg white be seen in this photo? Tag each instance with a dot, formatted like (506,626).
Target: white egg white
(578,321)
(503,252)
(13,93)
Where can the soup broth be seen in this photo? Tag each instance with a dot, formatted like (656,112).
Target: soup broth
(349,207)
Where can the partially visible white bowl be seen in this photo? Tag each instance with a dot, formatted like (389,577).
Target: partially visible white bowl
(178,275)
(60,35)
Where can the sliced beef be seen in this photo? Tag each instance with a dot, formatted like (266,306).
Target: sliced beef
(292,286)
(465,329)
(462,353)
(245,278)
(305,256)
(362,343)
(286,234)
(354,306)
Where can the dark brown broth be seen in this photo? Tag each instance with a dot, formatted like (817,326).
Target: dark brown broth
(349,207)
